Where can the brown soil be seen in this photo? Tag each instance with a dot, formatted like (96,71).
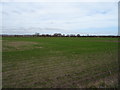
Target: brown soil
(18,45)
(102,40)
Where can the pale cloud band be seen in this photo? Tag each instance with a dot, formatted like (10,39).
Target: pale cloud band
(63,17)
(59,0)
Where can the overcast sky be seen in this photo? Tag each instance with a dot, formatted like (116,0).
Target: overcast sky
(60,17)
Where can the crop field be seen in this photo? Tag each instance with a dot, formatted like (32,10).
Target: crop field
(59,62)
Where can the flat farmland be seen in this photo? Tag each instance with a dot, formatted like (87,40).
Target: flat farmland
(59,62)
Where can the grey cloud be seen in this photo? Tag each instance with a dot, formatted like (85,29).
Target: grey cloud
(5,13)
(52,29)
(30,29)
(17,12)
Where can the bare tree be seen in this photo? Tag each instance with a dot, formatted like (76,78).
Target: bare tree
(36,34)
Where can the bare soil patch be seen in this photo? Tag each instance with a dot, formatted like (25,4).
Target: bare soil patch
(102,40)
(18,45)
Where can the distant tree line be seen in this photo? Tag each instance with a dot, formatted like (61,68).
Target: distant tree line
(55,35)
